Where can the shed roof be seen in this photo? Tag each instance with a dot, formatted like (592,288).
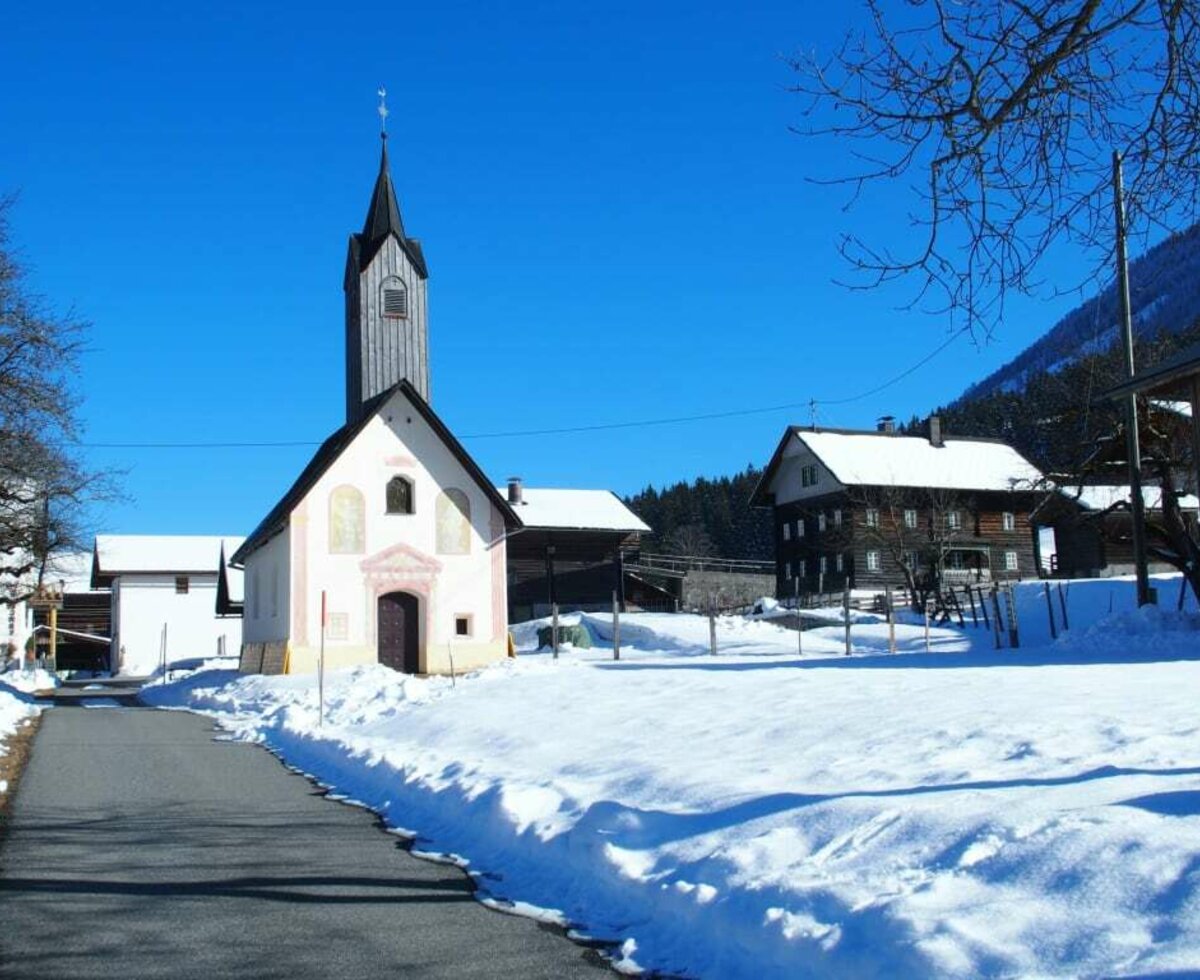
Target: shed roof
(884,459)
(591,510)
(1103,496)
(129,554)
(1164,376)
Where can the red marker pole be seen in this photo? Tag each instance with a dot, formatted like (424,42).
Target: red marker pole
(321,669)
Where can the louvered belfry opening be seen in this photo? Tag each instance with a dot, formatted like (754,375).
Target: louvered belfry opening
(395,301)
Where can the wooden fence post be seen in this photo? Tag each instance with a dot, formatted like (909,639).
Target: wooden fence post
(996,615)
(1014,636)
(1050,611)
(799,622)
(891,619)
(846,614)
(712,627)
(926,612)
(616,626)
(983,609)
(554,629)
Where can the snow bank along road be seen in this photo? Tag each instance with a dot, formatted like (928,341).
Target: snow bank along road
(141,847)
(969,813)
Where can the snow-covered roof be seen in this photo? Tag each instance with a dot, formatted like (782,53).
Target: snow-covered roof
(1103,497)
(1178,407)
(592,510)
(117,554)
(888,460)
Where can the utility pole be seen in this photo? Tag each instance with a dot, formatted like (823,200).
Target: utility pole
(1133,448)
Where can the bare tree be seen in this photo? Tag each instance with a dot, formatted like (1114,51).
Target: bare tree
(917,528)
(44,486)
(1002,117)
(691,540)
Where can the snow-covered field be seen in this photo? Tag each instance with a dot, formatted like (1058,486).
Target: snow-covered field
(965,813)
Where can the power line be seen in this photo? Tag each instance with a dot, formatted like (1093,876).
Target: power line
(574,429)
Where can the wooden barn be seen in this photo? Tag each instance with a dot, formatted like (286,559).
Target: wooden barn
(569,550)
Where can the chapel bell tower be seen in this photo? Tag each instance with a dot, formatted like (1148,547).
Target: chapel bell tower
(386,325)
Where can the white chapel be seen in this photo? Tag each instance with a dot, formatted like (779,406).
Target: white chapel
(391,521)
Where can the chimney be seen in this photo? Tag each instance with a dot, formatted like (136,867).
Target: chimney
(934,426)
(886,423)
(515,494)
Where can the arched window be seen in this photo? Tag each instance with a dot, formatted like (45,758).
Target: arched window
(453,515)
(347,521)
(393,298)
(400,496)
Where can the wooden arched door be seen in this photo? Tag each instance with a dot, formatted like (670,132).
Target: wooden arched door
(398,632)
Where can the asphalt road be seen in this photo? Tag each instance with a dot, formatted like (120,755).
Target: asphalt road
(140,847)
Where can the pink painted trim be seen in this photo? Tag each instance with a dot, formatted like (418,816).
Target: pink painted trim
(405,461)
(383,563)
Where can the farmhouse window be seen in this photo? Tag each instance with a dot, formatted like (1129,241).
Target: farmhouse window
(872,517)
(914,559)
(910,518)
(824,566)
(462,625)
(799,527)
(872,561)
(1010,561)
(808,475)
(181,585)
(953,520)
(1009,521)
(837,518)
(841,562)
(787,530)
(399,496)
(787,569)
(821,521)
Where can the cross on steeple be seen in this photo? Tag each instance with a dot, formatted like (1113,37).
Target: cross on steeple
(383,112)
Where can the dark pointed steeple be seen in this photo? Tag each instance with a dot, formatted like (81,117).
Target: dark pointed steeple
(383,220)
(383,215)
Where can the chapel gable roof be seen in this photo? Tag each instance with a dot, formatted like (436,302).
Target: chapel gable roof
(883,459)
(333,447)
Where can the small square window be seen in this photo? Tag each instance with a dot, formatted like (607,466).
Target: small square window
(953,520)
(462,625)
(181,585)
(1009,521)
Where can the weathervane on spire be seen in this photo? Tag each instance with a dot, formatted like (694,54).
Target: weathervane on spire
(383,112)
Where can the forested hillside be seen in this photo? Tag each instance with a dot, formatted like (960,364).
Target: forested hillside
(1164,288)
(707,517)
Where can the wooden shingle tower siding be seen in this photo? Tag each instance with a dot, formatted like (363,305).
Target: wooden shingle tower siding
(386,309)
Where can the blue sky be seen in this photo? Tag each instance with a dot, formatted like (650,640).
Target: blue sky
(619,224)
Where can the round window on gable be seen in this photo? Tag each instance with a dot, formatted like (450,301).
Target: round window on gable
(394,298)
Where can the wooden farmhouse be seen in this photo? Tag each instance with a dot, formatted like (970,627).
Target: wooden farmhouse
(872,509)
(392,546)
